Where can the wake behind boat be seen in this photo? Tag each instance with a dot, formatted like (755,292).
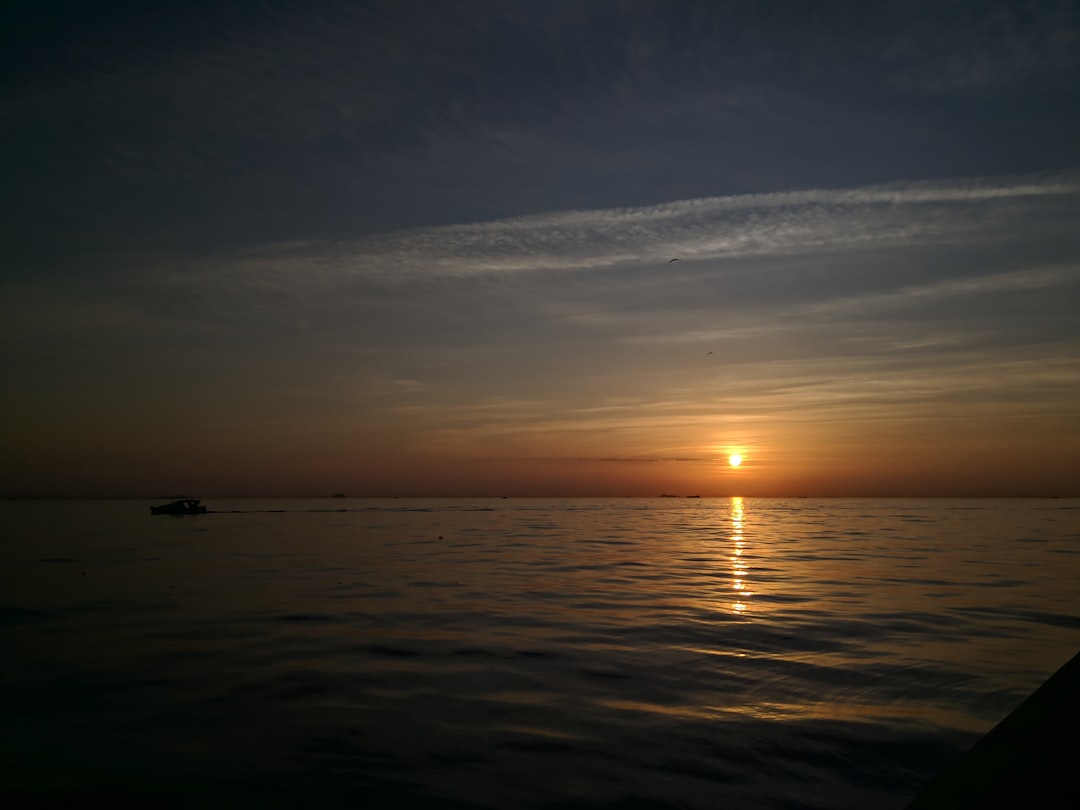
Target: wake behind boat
(179,506)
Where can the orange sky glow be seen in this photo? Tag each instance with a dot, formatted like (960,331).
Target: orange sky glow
(448,266)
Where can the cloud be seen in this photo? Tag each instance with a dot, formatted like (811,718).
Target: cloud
(731,227)
(909,267)
(198,129)
(1036,278)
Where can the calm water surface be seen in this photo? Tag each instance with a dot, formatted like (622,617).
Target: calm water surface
(506,653)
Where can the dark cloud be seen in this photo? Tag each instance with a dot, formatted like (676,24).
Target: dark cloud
(196,126)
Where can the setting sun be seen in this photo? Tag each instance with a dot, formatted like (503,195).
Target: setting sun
(734,459)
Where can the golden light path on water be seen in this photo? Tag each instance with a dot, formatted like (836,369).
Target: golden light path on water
(738,565)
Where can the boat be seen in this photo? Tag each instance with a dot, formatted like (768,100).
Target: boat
(1026,760)
(179,506)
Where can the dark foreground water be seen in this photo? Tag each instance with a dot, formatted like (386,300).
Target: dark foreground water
(520,653)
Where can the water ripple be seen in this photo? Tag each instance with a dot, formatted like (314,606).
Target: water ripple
(535,654)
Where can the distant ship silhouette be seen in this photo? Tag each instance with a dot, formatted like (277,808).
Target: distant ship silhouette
(179,506)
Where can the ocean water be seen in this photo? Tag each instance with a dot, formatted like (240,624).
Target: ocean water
(520,653)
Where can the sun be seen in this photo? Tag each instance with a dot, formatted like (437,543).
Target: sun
(734,459)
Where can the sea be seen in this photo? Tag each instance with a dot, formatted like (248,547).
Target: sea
(520,653)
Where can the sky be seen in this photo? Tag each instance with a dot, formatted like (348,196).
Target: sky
(424,248)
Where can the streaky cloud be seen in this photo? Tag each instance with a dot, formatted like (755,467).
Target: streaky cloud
(781,223)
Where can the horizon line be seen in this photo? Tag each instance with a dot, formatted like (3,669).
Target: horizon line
(664,496)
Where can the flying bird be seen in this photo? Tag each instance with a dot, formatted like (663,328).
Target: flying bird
(669,261)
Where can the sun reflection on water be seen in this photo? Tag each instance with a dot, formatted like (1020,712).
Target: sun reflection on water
(739,584)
